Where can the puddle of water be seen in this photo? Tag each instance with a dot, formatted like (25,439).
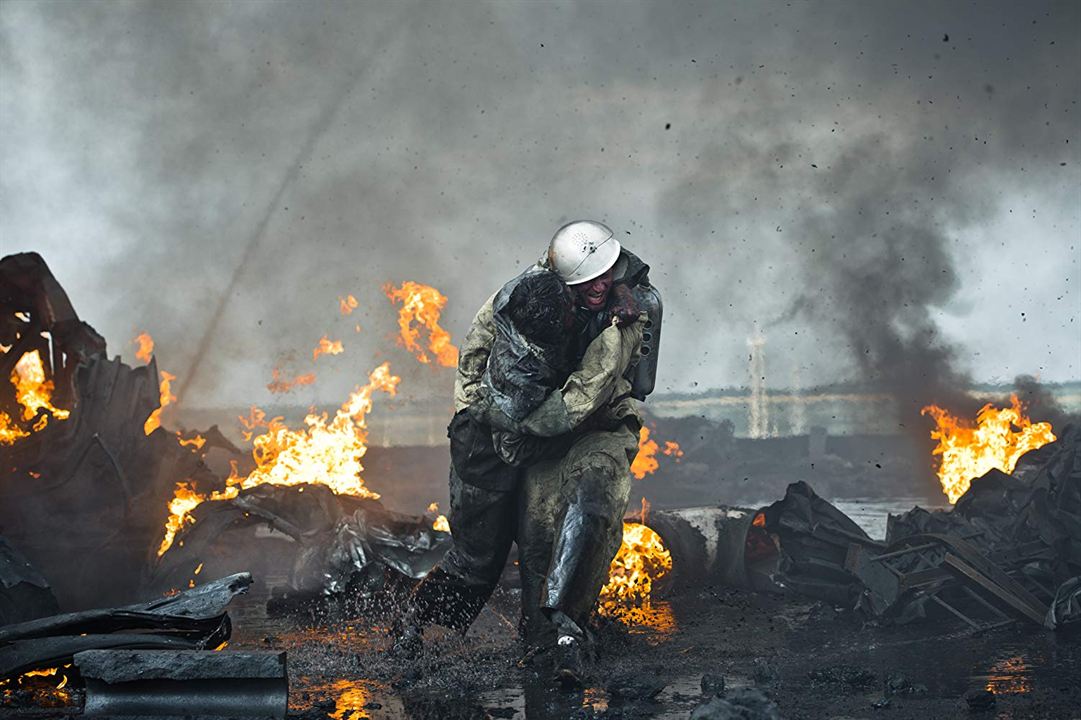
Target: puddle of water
(870,514)
(353,698)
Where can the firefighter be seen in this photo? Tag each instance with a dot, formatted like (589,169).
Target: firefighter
(535,407)
(568,523)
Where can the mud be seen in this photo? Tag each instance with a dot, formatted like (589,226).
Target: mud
(812,660)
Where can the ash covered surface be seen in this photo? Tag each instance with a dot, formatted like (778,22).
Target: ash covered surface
(809,659)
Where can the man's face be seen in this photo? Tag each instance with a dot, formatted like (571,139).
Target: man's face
(593,294)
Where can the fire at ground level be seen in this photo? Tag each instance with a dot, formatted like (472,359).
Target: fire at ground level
(813,660)
(792,607)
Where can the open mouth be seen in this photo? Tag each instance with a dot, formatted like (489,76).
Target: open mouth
(595,299)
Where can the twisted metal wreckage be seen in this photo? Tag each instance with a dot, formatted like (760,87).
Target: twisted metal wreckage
(81,508)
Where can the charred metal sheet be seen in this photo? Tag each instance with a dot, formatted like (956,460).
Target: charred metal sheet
(193,619)
(24,592)
(1065,610)
(184,683)
(814,544)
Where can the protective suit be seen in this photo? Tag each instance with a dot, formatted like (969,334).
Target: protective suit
(488,508)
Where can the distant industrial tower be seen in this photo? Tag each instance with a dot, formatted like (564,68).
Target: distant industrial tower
(758,408)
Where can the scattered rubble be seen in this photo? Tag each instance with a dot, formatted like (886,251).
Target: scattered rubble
(744,704)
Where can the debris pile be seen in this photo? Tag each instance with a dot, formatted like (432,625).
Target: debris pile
(97,463)
(1012,539)
(1009,549)
(319,545)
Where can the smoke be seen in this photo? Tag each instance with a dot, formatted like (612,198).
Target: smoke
(870,190)
(837,175)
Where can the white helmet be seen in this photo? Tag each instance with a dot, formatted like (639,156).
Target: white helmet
(582,250)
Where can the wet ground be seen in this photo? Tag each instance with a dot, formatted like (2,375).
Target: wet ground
(815,662)
(812,660)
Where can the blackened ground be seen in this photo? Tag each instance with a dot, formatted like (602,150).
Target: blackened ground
(813,661)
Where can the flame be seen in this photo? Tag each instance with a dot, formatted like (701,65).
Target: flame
(278,385)
(645,462)
(347,304)
(9,431)
(256,418)
(166,397)
(327,346)
(33,393)
(422,304)
(325,452)
(672,449)
(146,346)
(441,524)
(996,441)
(185,499)
(642,560)
(196,442)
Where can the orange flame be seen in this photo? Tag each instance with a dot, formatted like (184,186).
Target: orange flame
(34,394)
(441,523)
(347,304)
(645,462)
(279,385)
(196,442)
(9,430)
(166,397)
(996,441)
(422,304)
(325,452)
(641,561)
(146,346)
(256,418)
(327,346)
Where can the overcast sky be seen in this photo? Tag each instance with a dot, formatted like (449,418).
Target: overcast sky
(885,190)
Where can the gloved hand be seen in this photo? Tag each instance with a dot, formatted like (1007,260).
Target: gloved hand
(624,307)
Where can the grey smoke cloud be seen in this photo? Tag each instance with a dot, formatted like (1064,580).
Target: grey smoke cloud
(836,174)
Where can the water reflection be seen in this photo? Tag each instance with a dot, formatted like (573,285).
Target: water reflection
(1010,676)
(353,698)
(653,620)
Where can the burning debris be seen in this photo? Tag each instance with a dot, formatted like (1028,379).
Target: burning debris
(326,547)
(299,514)
(641,561)
(996,441)
(327,452)
(97,462)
